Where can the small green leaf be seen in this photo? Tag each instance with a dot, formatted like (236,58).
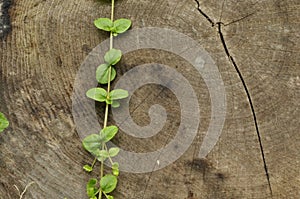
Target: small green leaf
(115,165)
(97,94)
(113,56)
(88,168)
(104,24)
(3,122)
(92,182)
(118,94)
(101,155)
(108,101)
(115,104)
(109,197)
(108,133)
(92,143)
(115,168)
(113,151)
(102,73)
(108,183)
(91,189)
(121,25)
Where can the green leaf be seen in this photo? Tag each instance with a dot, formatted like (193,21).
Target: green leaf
(115,104)
(97,94)
(91,189)
(113,151)
(88,168)
(118,94)
(3,122)
(92,182)
(102,73)
(108,133)
(109,197)
(108,101)
(113,56)
(121,25)
(92,143)
(108,183)
(104,24)
(101,155)
(115,168)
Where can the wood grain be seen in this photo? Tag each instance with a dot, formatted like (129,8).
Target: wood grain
(50,39)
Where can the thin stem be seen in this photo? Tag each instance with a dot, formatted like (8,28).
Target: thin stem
(108,91)
(24,191)
(106,195)
(108,155)
(94,162)
(111,40)
(109,69)
(106,113)
(101,175)
(19,193)
(112,9)
(112,19)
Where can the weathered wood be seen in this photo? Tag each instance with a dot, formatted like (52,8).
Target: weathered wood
(51,38)
(4,18)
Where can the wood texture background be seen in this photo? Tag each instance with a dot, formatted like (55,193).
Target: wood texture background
(50,39)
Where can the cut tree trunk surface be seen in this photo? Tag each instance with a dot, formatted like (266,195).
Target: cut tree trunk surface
(49,39)
(4,18)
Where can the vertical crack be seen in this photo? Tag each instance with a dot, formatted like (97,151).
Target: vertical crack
(250,102)
(219,25)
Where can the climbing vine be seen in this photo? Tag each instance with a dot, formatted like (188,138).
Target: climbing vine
(96,144)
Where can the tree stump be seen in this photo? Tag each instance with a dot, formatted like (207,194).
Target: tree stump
(49,39)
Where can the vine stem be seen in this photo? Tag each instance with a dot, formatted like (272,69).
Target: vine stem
(108,90)
(24,191)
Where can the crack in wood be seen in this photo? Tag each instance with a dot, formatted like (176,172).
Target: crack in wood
(249,99)
(237,20)
(203,14)
(219,24)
